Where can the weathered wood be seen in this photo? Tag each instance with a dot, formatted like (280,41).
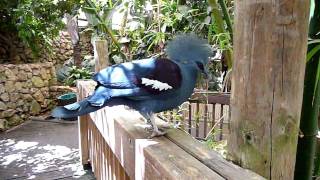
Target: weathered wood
(267,83)
(210,158)
(210,98)
(101,55)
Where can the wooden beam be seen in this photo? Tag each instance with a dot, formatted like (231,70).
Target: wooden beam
(270,44)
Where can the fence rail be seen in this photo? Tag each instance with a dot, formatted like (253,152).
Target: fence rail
(114,141)
(204,115)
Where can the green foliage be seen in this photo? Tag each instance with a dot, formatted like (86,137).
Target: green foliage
(218,146)
(75,74)
(97,13)
(37,22)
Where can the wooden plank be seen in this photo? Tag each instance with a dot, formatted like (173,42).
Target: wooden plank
(213,121)
(198,116)
(221,122)
(211,159)
(205,126)
(157,161)
(219,99)
(270,43)
(211,98)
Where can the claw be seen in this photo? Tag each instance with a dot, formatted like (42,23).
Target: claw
(148,128)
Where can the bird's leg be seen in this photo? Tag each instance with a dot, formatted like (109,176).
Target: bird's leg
(156,132)
(148,126)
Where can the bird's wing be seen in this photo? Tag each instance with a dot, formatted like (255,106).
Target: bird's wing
(141,79)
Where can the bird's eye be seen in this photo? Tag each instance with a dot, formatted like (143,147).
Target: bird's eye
(200,66)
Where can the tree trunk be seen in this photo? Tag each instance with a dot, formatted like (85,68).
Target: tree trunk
(73,30)
(270,43)
(101,55)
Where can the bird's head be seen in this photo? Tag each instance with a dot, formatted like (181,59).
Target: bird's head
(189,49)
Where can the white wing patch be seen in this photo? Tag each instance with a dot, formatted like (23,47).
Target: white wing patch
(156,84)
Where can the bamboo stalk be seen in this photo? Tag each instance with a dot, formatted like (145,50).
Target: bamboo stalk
(217,15)
(226,17)
(310,107)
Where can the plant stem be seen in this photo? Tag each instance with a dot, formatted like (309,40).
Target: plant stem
(310,107)
(226,17)
(217,16)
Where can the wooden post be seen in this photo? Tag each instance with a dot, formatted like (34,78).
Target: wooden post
(101,54)
(83,132)
(270,44)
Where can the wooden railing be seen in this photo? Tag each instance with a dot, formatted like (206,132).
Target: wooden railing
(114,141)
(205,114)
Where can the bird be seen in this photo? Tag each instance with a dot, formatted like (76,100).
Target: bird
(149,85)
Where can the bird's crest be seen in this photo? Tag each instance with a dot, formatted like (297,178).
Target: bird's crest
(188,47)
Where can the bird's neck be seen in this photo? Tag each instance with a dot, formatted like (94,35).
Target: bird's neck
(190,74)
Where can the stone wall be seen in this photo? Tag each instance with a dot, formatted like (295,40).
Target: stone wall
(24,91)
(13,51)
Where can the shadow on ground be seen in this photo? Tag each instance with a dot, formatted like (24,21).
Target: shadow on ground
(41,150)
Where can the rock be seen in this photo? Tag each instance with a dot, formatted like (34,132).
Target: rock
(27,97)
(20,110)
(15,120)
(5,97)
(8,113)
(2,76)
(36,72)
(26,68)
(14,97)
(37,81)
(10,75)
(3,124)
(25,107)
(28,84)
(9,86)
(3,106)
(2,88)
(22,76)
(18,86)
(20,103)
(33,90)
(45,92)
(44,74)
(29,75)
(12,105)
(35,107)
(38,96)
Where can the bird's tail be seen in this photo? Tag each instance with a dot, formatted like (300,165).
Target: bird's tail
(84,107)
(73,110)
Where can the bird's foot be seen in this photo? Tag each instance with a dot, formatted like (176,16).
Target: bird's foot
(148,128)
(157,133)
